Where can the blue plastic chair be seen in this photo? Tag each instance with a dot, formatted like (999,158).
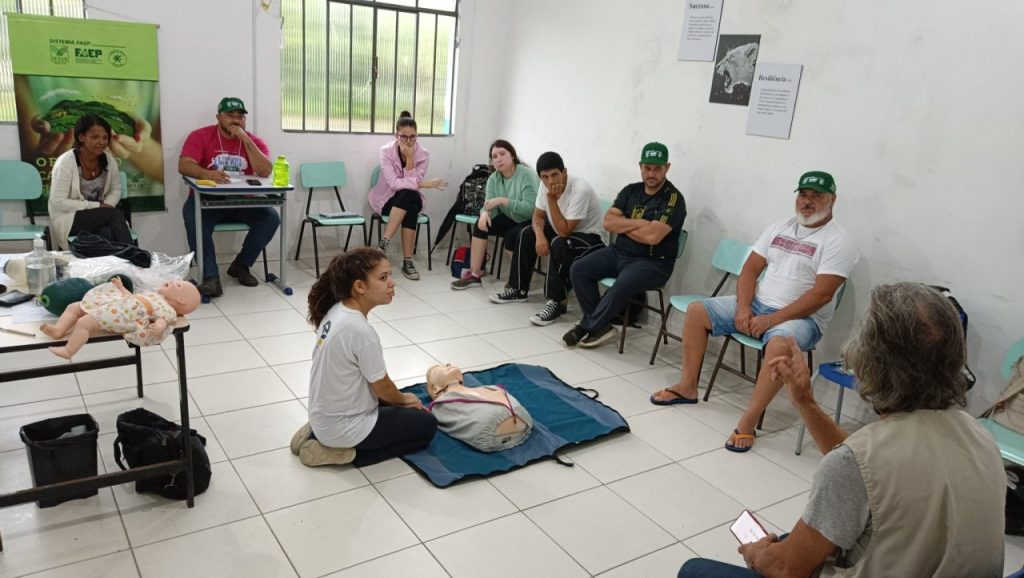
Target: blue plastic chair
(1011,443)
(729,257)
(381,220)
(20,181)
(837,374)
(326,175)
(608,282)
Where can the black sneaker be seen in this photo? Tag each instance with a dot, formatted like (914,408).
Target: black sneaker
(574,336)
(509,295)
(409,270)
(552,311)
(595,338)
(241,272)
(383,243)
(210,287)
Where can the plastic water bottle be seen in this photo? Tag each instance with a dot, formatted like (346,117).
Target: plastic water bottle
(40,268)
(282,172)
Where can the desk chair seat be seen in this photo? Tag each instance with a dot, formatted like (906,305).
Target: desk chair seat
(226,227)
(326,175)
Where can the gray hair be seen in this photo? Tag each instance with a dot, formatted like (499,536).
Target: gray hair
(909,353)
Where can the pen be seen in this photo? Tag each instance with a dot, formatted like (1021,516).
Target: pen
(17,332)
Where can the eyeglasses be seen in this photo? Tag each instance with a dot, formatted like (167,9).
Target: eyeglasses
(407,138)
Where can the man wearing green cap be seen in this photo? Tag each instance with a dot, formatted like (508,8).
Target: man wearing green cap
(217,153)
(807,257)
(648,218)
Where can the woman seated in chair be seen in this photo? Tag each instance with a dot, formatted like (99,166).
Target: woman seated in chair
(398,194)
(85,186)
(485,417)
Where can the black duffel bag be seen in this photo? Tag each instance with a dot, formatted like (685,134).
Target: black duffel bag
(87,245)
(145,439)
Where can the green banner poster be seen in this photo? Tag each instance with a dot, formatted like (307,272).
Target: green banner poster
(65,68)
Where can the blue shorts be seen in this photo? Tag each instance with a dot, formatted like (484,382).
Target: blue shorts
(722,314)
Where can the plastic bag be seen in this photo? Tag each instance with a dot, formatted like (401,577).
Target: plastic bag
(163,268)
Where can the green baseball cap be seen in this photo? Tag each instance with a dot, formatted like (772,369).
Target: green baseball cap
(817,181)
(654,153)
(230,103)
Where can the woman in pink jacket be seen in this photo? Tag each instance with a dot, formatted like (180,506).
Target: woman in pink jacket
(398,194)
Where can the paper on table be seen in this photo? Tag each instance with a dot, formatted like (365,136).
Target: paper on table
(29,312)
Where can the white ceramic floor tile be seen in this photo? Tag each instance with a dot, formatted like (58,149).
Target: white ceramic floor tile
(674,434)
(244,548)
(492,319)
(633,358)
(415,562)
(622,396)
(406,362)
(524,551)
(653,379)
(779,448)
(386,470)
(39,389)
(541,482)
(119,565)
(295,376)
(238,390)
(285,348)
(664,562)
(150,518)
(339,531)
(258,429)
(786,513)
(599,529)
(570,366)
(432,512)
(465,351)
(219,358)
(205,311)
(206,331)
(388,336)
(678,500)
(156,368)
(160,398)
(12,418)
(748,478)
(519,343)
(403,309)
(613,458)
(277,480)
(241,300)
(429,328)
(448,301)
(717,544)
(1013,555)
(268,323)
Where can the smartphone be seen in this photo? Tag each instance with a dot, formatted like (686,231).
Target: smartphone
(254,182)
(747,529)
(12,298)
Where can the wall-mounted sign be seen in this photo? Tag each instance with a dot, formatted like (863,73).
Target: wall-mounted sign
(700,30)
(734,68)
(773,99)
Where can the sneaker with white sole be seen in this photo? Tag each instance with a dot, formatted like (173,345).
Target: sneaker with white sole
(597,337)
(466,282)
(552,311)
(409,270)
(314,454)
(574,336)
(509,295)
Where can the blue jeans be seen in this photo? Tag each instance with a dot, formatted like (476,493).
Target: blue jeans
(632,275)
(704,568)
(722,315)
(263,223)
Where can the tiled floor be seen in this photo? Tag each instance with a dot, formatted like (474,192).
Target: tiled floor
(635,505)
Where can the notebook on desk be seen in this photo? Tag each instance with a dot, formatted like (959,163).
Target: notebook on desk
(339,214)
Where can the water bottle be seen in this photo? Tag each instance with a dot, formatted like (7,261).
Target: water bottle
(282,174)
(40,269)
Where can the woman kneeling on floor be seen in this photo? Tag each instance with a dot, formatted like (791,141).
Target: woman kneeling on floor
(356,413)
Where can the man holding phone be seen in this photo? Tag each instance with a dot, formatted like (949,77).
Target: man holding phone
(220,152)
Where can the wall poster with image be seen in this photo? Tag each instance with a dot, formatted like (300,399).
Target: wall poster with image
(65,68)
(734,68)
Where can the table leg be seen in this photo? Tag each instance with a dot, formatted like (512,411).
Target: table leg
(179,347)
(199,239)
(138,370)
(282,279)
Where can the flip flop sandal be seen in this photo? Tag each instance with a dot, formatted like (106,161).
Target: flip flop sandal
(740,436)
(679,398)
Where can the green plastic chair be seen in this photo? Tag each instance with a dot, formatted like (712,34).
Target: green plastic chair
(125,205)
(326,175)
(729,257)
(20,181)
(608,282)
(1011,443)
(381,220)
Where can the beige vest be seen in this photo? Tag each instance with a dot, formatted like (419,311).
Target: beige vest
(936,490)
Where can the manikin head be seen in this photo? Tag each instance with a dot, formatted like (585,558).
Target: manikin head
(815,197)
(182,296)
(439,377)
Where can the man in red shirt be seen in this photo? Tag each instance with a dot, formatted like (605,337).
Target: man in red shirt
(219,152)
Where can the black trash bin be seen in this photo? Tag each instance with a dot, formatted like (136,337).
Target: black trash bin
(55,460)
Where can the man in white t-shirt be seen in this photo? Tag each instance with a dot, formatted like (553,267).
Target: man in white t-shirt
(568,223)
(805,260)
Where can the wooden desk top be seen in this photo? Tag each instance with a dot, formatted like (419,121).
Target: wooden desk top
(13,342)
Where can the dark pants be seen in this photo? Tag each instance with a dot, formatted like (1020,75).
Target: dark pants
(632,275)
(263,223)
(399,431)
(501,226)
(107,222)
(704,568)
(410,201)
(564,251)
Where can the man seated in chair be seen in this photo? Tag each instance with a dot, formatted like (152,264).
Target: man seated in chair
(648,219)
(807,257)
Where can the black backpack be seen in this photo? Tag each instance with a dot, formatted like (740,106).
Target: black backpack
(473,190)
(146,438)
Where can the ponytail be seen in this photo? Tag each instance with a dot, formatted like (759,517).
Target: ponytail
(335,284)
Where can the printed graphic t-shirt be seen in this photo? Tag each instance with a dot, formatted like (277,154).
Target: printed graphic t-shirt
(667,206)
(209,148)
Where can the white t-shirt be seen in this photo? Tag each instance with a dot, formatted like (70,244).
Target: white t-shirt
(347,358)
(796,255)
(579,202)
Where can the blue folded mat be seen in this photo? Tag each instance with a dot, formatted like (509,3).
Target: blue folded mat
(563,415)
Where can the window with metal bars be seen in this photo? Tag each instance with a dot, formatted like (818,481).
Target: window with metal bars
(354,66)
(62,8)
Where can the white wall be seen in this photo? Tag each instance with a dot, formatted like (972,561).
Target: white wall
(911,105)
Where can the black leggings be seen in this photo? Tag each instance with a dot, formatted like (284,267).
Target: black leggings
(501,226)
(410,201)
(398,431)
(107,222)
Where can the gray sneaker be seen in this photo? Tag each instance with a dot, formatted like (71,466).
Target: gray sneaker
(409,270)
(313,454)
(552,311)
(466,282)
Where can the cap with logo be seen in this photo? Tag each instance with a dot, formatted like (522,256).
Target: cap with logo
(230,103)
(817,181)
(654,153)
